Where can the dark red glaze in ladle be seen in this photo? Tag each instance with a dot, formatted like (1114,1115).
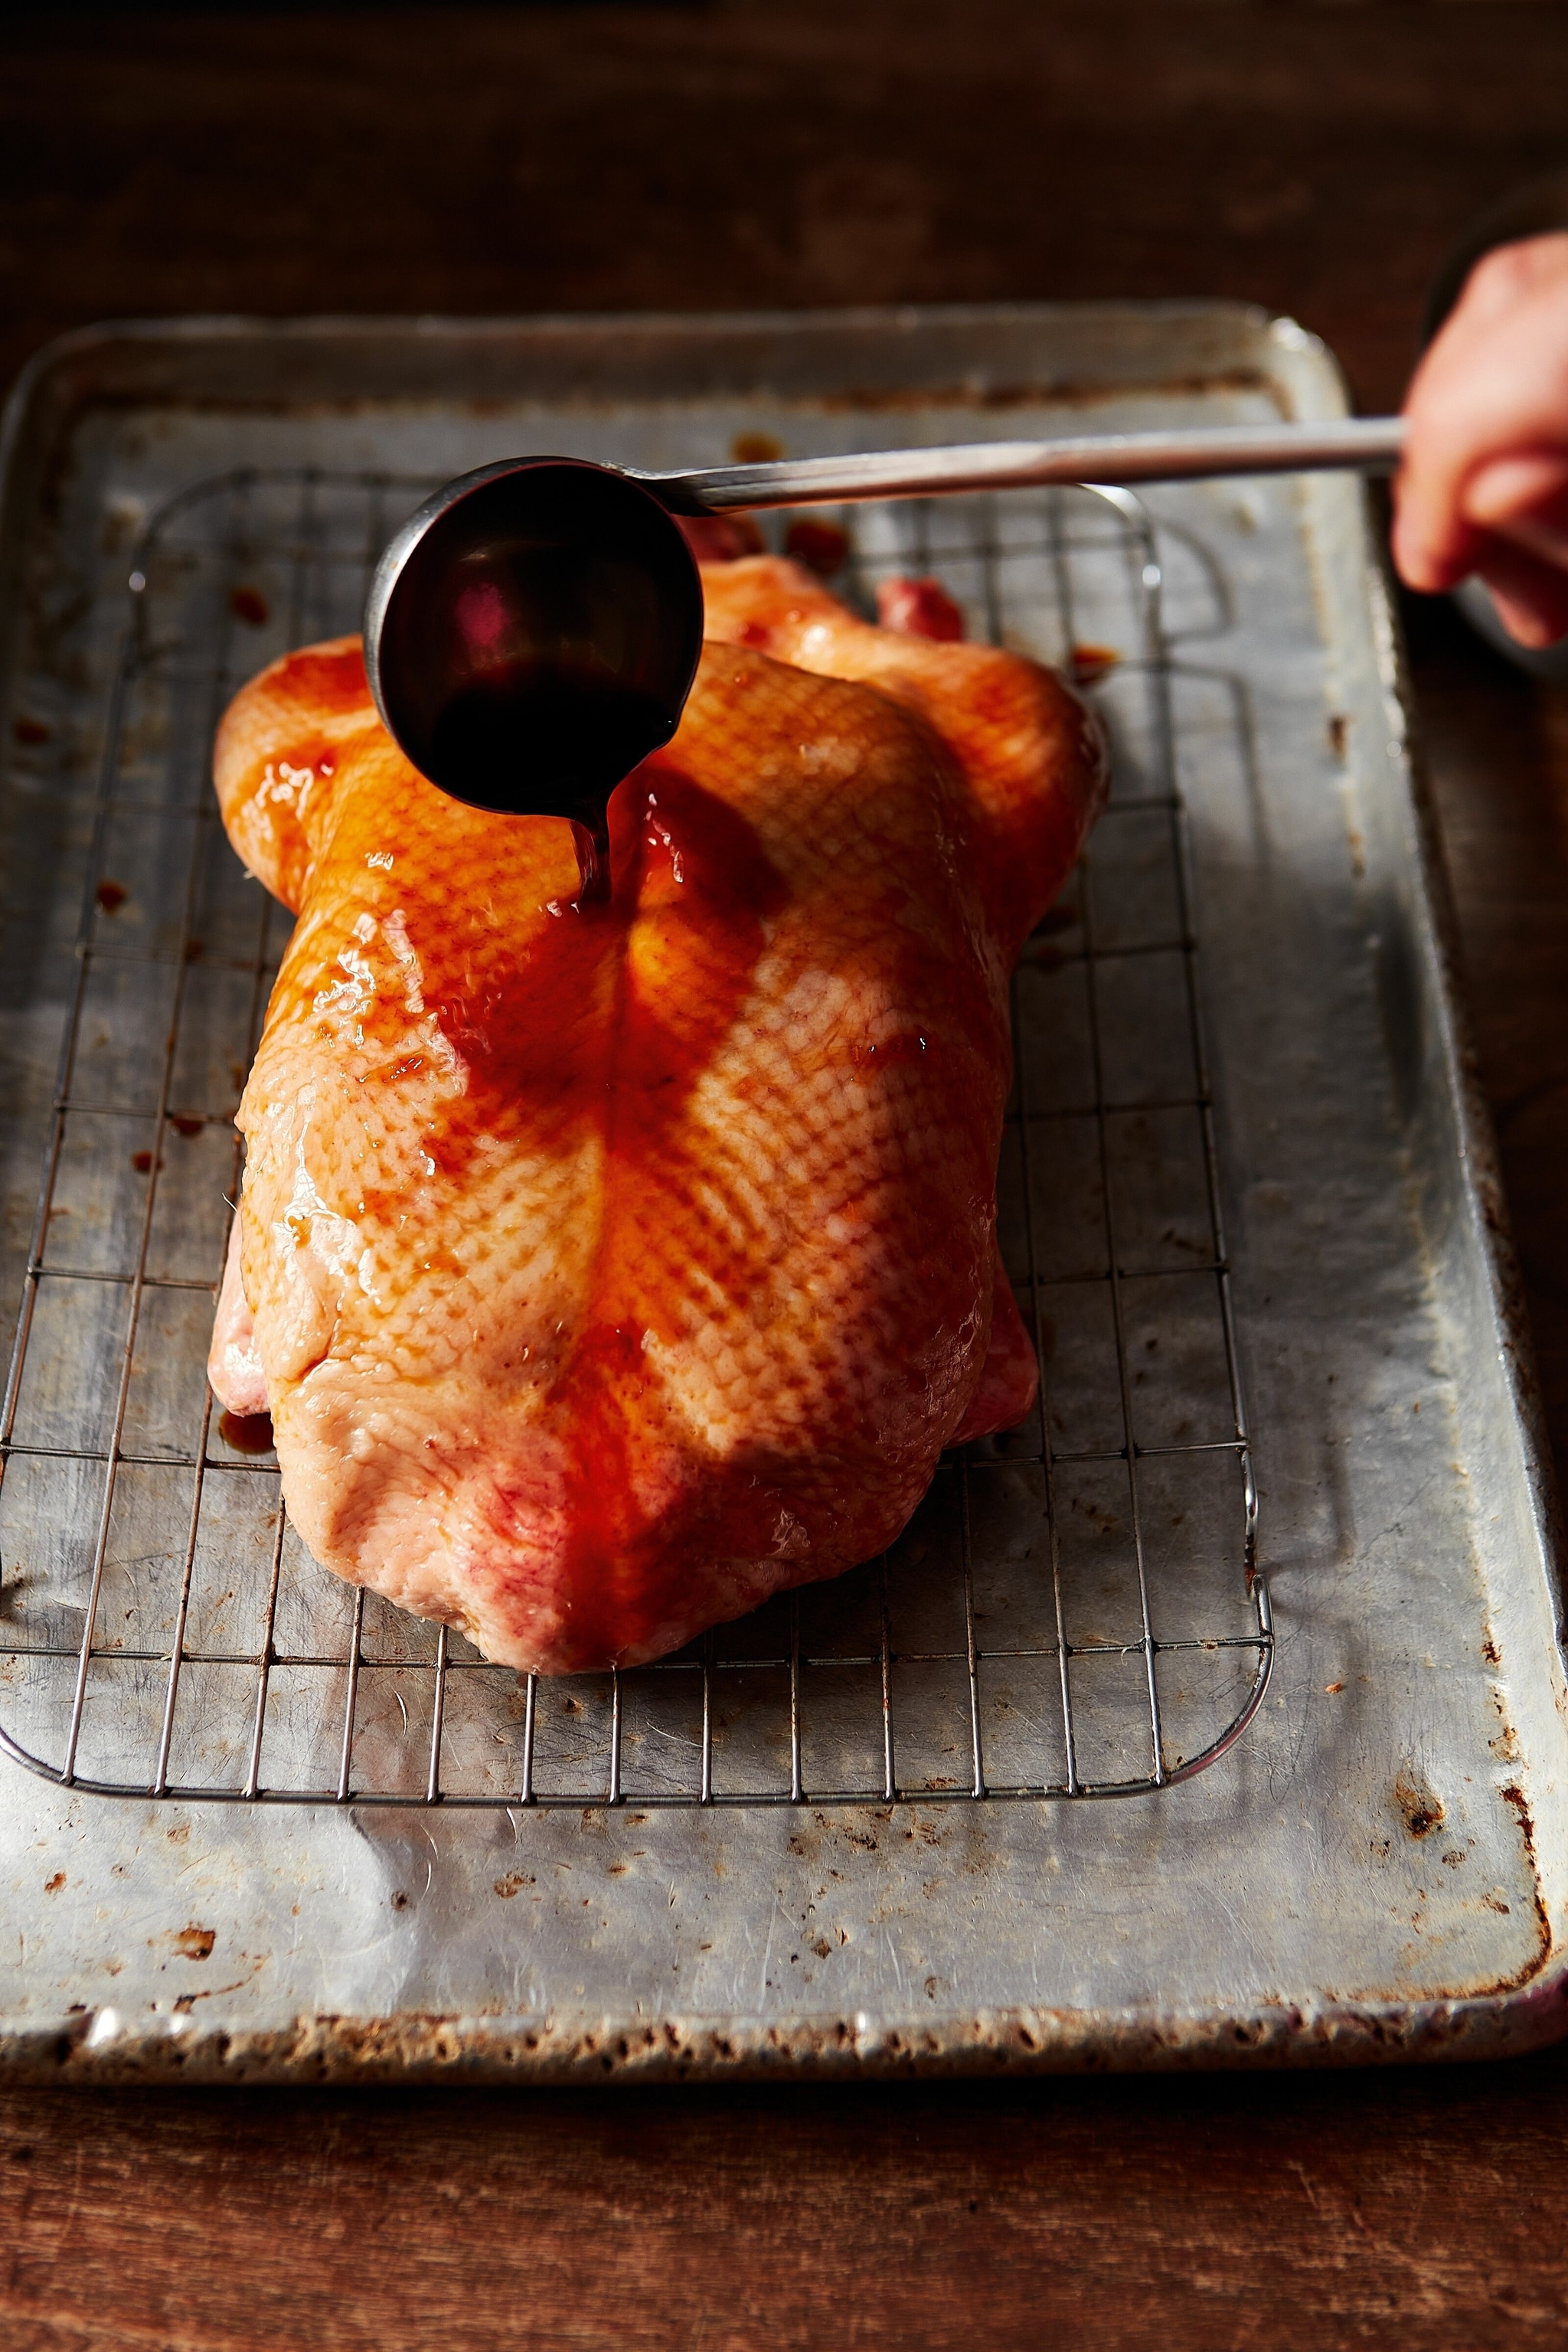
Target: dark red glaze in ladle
(531,634)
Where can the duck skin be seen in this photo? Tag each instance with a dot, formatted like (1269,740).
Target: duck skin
(605,1268)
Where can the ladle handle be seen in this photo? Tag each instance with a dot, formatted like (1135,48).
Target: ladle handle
(1362,444)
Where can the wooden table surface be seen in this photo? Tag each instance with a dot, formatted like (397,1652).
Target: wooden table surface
(1319,160)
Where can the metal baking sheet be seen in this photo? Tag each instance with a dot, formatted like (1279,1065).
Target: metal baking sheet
(834,1837)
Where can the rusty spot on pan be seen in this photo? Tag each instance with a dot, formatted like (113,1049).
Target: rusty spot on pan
(1419,1806)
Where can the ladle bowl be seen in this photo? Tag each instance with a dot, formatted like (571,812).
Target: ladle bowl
(532,633)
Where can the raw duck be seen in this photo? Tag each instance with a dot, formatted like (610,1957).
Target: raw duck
(605,1268)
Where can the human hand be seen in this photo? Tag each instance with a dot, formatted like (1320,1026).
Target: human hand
(1484,484)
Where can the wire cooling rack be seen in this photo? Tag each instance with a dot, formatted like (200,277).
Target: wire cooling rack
(1071,1613)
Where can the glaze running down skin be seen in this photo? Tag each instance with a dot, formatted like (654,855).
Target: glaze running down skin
(608,1268)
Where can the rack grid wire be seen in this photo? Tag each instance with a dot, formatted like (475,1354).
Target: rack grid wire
(1073,1611)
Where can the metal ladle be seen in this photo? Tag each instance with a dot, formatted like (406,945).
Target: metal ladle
(533,631)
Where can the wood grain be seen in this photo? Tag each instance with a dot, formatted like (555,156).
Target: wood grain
(1193,2217)
(752,153)
(1316,160)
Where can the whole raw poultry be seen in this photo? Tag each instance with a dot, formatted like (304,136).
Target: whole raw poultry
(608,1268)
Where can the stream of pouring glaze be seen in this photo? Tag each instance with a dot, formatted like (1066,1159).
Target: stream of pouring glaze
(613,1264)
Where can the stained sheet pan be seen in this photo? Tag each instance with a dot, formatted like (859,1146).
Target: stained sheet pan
(1373,1867)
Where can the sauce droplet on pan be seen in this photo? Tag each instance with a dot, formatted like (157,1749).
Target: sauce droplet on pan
(246,1433)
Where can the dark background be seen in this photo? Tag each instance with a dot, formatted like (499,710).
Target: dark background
(1320,159)
(763,152)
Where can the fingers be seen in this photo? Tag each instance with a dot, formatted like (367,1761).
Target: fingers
(1433,546)
(1524,498)
(1509,273)
(1530,595)
(1485,479)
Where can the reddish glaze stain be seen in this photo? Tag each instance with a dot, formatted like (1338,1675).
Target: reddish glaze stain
(821,547)
(680,857)
(248,604)
(310,752)
(919,608)
(111,896)
(142,1163)
(186,1125)
(1091,662)
(30,730)
(195,951)
(693,848)
(908,1046)
(324,679)
(246,1433)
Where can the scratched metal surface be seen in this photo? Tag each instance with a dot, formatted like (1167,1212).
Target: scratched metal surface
(1378,1867)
